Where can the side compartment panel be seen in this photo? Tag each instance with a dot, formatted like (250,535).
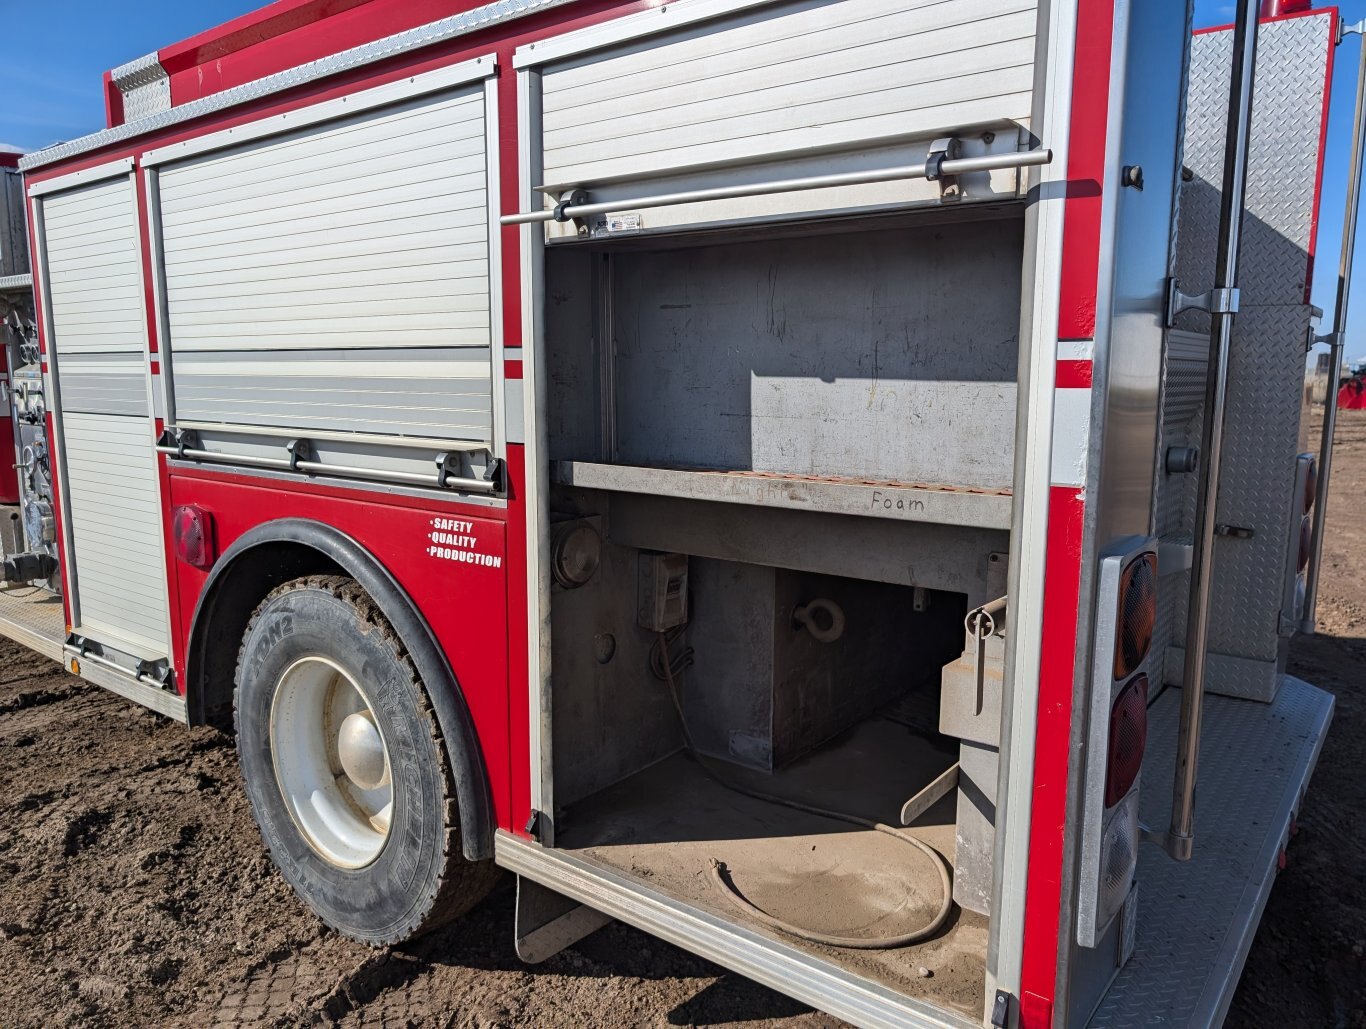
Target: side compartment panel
(98,354)
(336,277)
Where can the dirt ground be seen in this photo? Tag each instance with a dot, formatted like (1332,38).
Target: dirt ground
(134,888)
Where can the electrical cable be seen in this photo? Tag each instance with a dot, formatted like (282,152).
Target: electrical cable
(727,888)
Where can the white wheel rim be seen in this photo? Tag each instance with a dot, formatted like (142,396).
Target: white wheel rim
(331,762)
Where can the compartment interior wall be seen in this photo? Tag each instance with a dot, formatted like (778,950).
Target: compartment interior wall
(887,353)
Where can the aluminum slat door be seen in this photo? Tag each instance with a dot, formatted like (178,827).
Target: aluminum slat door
(787,79)
(336,277)
(97,348)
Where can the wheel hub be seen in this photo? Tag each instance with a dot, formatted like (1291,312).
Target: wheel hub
(361,751)
(331,762)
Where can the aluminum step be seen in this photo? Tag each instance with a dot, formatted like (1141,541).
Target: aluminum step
(35,618)
(1197,919)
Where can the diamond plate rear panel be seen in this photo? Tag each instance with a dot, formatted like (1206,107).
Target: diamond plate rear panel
(1266,374)
(1196,919)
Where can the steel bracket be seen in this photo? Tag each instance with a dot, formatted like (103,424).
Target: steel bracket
(1000,1010)
(571,198)
(157,672)
(547,922)
(446,467)
(298,450)
(1223,300)
(179,440)
(496,473)
(948,148)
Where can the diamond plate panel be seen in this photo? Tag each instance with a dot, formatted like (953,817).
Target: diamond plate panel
(1283,162)
(1196,919)
(1266,374)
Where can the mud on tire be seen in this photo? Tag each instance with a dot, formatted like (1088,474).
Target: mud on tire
(418,880)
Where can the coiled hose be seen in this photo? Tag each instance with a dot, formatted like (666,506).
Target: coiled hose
(727,888)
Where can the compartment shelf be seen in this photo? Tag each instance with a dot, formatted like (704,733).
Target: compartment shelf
(898,501)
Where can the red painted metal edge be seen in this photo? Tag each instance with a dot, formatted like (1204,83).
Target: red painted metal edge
(1048,820)
(1074,374)
(1332,12)
(254,27)
(1066,519)
(1086,170)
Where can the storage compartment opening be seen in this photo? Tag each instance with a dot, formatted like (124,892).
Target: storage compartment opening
(787,456)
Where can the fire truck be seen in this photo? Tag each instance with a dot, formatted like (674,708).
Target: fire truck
(819,481)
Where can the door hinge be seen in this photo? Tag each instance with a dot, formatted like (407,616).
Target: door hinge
(1223,300)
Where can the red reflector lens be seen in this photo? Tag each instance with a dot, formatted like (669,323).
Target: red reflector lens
(1137,613)
(192,532)
(1306,542)
(1128,738)
(1311,486)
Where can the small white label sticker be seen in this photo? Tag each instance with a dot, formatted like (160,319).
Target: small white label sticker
(623,222)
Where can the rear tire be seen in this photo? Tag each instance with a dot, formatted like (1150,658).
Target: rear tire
(345,766)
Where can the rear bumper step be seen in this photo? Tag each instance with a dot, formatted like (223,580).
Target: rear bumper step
(1196,919)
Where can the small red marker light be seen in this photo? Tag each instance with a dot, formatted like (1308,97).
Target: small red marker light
(192,531)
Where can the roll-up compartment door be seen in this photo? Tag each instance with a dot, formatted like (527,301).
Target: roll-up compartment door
(336,278)
(97,347)
(788,89)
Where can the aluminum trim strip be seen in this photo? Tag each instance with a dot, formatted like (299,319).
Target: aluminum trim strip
(631,27)
(84,177)
(768,961)
(439,31)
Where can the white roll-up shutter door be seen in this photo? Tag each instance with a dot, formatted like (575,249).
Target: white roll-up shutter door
(336,277)
(98,339)
(786,79)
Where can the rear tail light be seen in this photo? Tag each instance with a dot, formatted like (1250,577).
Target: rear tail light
(1311,485)
(1128,738)
(1137,614)
(1117,735)
(1306,543)
(192,533)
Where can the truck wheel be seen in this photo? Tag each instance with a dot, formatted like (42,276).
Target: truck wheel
(345,767)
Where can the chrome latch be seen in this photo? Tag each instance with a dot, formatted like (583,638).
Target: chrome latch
(1222,300)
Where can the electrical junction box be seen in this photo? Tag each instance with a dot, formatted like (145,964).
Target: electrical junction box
(662,591)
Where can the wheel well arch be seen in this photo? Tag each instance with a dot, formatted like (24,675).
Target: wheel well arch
(279,551)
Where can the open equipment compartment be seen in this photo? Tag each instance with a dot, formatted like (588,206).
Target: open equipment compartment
(779,432)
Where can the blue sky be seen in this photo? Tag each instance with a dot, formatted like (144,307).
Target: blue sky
(58,50)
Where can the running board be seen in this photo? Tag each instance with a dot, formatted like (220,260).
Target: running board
(34,618)
(777,965)
(128,684)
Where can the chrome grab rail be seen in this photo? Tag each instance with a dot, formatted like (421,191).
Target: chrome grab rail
(441,479)
(580,207)
(1179,839)
(1336,341)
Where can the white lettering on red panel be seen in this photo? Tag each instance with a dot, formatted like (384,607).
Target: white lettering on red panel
(452,539)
